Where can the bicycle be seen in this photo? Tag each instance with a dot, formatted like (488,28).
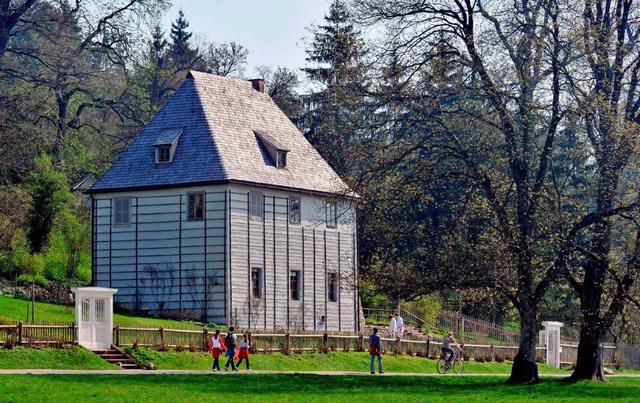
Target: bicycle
(442,366)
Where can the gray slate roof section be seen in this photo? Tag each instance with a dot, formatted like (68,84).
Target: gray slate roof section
(218,116)
(168,137)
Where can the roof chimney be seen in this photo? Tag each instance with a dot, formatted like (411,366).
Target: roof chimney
(258,84)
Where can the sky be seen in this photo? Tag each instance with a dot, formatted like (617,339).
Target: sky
(273,31)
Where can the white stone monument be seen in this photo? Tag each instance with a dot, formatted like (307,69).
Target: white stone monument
(550,337)
(94,317)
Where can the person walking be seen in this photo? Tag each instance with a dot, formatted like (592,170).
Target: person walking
(230,342)
(399,325)
(375,350)
(244,351)
(216,346)
(393,326)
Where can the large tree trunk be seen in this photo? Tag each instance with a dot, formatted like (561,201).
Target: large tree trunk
(525,369)
(590,352)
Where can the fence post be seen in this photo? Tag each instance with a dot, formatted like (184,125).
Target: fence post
(19,332)
(73,333)
(287,345)
(428,345)
(360,342)
(205,339)
(325,338)
(118,335)
(161,331)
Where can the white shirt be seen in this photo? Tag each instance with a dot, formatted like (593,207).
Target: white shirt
(400,322)
(215,342)
(244,343)
(392,325)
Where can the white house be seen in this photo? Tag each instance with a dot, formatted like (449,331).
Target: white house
(221,210)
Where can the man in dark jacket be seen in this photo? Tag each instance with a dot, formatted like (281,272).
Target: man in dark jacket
(375,350)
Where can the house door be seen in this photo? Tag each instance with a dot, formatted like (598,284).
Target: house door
(93,327)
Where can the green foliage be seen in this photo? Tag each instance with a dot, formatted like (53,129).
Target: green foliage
(369,296)
(50,195)
(425,308)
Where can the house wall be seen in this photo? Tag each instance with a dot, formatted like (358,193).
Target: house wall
(164,263)
(278,247)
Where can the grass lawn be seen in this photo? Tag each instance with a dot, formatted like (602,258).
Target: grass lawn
(302,388)
(14,309)
(79,358)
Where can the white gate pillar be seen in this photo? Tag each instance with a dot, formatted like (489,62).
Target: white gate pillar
(550,337)
(94,317)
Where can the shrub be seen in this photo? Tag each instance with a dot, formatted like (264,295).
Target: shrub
(479,358)
(192,346)
(346,347)
(164,346)
(179,348)
(410,352)
(499,358)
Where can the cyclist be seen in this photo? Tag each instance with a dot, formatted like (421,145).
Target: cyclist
(446,347)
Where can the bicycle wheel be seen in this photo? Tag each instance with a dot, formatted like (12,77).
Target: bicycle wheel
(440,366)
(458,366)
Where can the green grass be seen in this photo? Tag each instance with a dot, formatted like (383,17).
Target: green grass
(49,358)
(302,388)
(15,309)
(78,358)
(332,361)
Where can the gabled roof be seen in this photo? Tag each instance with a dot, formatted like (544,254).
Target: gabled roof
(219,120)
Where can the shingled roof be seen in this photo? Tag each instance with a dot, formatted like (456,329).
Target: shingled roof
(219,118)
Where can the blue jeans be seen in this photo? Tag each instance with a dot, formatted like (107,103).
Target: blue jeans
(230,353)
(373,359)
(451,353)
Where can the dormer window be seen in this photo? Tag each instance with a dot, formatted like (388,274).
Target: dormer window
(166,145)
(277,151)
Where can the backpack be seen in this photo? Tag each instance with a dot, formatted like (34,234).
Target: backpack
(228,340)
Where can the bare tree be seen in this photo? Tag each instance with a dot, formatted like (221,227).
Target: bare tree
(513,56)
(225,59)
(161,278)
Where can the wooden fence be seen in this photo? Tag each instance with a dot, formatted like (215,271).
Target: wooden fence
(58,334)
(50,334)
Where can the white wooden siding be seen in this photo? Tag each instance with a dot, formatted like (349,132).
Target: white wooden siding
(195,253)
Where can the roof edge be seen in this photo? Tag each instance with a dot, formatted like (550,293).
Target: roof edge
(352,196)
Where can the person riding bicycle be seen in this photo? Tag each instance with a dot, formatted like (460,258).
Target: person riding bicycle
(446,347)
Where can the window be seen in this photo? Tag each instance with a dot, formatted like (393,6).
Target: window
(332,220)
(195,206)
(294,210)
(256,282)
(166,144)
(281,160)
(121,211)
(255,204)
(164,153)
(332,287)
(294,284)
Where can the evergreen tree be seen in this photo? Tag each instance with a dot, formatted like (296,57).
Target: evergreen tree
(334,113)
(181,54)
